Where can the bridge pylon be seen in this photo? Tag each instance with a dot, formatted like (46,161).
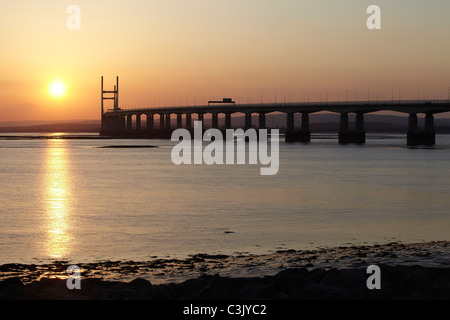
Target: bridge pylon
(118,122)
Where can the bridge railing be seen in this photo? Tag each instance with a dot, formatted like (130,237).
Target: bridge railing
(296,104)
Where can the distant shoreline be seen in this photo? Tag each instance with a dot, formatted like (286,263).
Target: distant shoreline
(67,136)
(93,136)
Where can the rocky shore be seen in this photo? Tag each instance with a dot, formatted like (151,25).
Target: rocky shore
(408,271)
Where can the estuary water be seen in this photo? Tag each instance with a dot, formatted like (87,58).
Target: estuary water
(88,200)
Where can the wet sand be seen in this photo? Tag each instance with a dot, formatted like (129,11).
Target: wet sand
(409,271)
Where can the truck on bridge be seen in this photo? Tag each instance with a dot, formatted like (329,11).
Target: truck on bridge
(224,100)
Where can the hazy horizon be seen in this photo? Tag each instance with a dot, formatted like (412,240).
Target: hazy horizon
(189,52)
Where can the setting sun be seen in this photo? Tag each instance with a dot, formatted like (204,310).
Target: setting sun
(57,89)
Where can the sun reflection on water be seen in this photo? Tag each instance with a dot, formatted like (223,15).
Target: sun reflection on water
(57,200)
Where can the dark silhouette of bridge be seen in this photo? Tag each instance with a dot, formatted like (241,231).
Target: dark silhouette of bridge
(118,122)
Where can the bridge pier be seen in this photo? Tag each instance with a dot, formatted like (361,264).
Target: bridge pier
(119,124)
(360,122)
(303,135)
(151,132)
(429,123)
(189,121)
(248,121)
(215,121)
(179,120)
(227,120)
(262,121)
(161,121)
(421,137)
(290,122)
(201,117)
(129,123)
(305,121)
(352,136)
(113,126)
(167,122)
(412,122)
(150,122)
(343,124)
(138,122)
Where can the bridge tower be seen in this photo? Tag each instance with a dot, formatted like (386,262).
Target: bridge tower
(115,96)
(113,124)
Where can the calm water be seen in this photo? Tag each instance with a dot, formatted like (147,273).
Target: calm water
(70,200)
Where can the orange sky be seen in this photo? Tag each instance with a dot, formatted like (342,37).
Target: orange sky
(180,52)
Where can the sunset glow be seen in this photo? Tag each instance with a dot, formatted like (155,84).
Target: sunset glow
(57,89)
(189,52)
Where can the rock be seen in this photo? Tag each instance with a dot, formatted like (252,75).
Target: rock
(8,267)
(15,281)
(160,292)
(319,292)
(286,251)
(292,281)
(317,275)
(261,291)
(11,289)
(140,283)
(397,282)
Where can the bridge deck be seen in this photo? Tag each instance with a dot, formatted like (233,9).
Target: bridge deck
(405,106)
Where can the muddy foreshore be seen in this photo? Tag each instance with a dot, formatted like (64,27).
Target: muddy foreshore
(408,271)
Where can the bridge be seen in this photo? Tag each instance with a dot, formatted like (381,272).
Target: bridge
(118,122)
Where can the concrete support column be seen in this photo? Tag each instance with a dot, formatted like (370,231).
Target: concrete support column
(227,121)
(107,129)
(215,121)
(302,135)
(343,127)
(290,122)
(129,123)
(138,122)
(421,137)
(352,136)
(121,125)
(188,121)
(168,121)
(305,121)
(429,123)
(114,124)
(412,122)
(161,121)
(262,121)
(248,121)
(179,120)
(150,122)
(360,122)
